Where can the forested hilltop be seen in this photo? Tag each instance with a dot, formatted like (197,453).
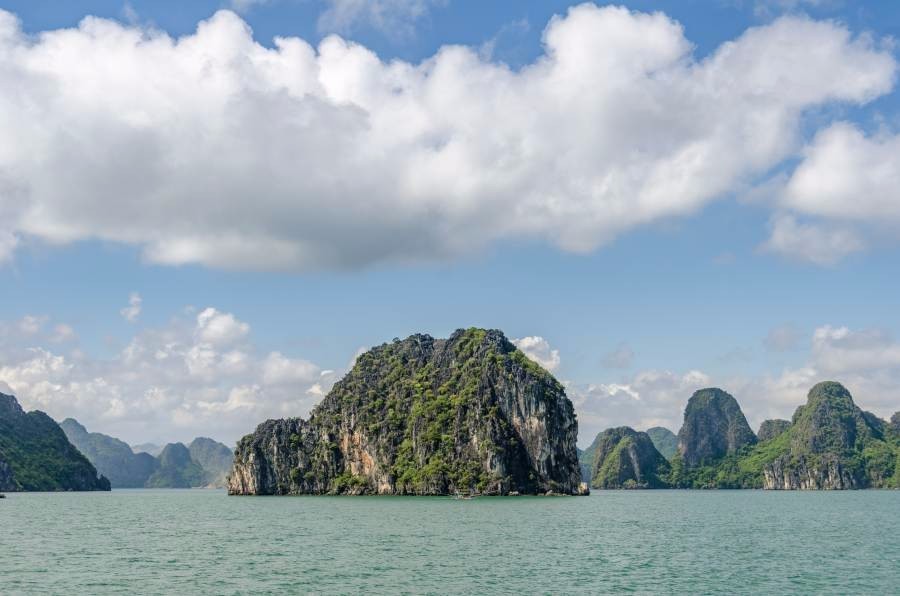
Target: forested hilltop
(36,456)
(830,443)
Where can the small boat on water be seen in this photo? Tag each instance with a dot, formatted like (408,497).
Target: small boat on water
(463,497)
(2,496)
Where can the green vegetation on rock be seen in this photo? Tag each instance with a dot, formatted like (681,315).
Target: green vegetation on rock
(35,454)
(714,426)
(770,429)
(423,416)
(625,458)
(833,444)
(586,460)
(829,444)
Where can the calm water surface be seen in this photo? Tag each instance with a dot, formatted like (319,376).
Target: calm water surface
(196,542)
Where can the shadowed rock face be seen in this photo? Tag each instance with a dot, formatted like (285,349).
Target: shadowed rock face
(714,426)
(625,458)
(833,445)
(770,429)
(35,454)
(112,458)
(423,416)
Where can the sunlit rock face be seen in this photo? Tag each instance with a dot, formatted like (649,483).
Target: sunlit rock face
(714,426)
(423,416)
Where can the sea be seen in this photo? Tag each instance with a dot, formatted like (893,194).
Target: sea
(646,542)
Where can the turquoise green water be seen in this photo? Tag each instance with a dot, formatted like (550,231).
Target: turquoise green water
(193,542)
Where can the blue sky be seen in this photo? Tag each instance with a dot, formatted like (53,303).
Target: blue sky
(640,309)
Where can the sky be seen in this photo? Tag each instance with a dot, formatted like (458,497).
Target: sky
(209,209)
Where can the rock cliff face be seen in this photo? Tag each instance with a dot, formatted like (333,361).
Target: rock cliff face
(714,426)
(833,445)
(586,459)
(625,458)
(665,441)
(35,454)
(112,458)
(799,473)
(215,459)
(423,416)
(770,429)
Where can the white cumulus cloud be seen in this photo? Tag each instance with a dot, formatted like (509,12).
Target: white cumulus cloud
(219,328)
(184,379)
(538,349)
(213,149)
(847,186)
(646,399)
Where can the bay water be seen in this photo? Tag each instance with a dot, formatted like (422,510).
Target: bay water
(204,542)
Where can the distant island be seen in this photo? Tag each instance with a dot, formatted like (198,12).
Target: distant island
(829,444)
(203,463)
(36,456)
(470,414)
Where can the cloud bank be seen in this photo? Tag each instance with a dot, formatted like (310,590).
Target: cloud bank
(197,375)
(212,149)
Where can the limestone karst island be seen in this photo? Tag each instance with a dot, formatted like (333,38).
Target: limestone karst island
(469,415)
(511,297)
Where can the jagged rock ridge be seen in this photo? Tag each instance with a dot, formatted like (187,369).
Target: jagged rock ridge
(206,465)
(423,416)
(112,458)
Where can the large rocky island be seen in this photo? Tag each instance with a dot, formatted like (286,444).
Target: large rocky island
(423,416)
